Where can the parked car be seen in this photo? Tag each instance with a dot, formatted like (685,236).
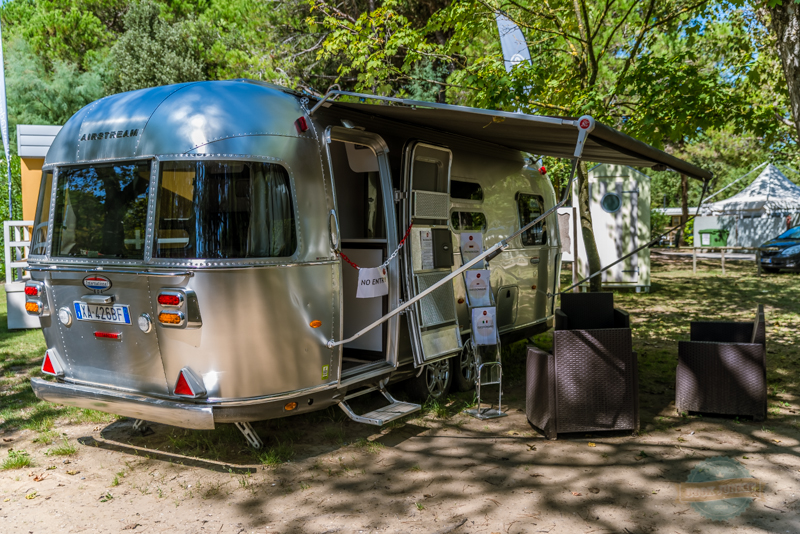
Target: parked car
(782,252)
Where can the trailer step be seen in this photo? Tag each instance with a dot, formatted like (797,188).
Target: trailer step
(395,410)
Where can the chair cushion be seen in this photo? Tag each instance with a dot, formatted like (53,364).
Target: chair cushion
(588,311)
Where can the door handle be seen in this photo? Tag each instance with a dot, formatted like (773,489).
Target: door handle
(534,261)
(98,299)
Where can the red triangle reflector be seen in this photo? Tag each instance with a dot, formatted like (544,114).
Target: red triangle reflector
(182,387)
(47,366)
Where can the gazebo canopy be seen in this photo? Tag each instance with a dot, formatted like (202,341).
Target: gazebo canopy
(771,192)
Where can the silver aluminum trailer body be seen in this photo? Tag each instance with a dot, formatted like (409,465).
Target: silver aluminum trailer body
(185,262)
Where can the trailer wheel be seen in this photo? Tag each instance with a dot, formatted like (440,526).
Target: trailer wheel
(464,368)
(433,382)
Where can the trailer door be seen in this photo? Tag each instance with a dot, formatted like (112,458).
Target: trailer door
(432,322)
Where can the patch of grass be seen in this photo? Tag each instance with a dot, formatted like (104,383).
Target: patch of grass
(372,447)
(65,449)
(17,460)
(419,506)
(46,438)
(280,453)
(335,434)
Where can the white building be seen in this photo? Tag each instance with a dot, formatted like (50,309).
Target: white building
(758,213)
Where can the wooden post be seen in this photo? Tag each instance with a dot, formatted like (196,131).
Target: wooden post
(758,262)
(723,262)
(694,260)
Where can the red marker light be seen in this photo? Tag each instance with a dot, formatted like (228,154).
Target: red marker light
(108,335)
(542,170)
(169,300)
(301,125)
(182,387)
(32,291)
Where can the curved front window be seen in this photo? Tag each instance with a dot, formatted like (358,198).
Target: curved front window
(101,211)
(224,210)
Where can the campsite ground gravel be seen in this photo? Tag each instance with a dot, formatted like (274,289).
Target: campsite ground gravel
(320,473)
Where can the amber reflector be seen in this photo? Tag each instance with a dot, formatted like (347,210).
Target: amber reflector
(169,300)
(169,317)
(32,291)
(182,387)
(47,366)
(291,406)
(315,324)
(31,307)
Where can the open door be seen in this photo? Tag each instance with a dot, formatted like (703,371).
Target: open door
(433,322)
(365,231)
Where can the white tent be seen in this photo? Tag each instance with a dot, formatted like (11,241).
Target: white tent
(758,213)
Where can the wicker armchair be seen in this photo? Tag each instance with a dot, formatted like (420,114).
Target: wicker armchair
(591,381)
(723,369)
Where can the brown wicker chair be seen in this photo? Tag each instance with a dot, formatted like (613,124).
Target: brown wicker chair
(723,369)
(590,382)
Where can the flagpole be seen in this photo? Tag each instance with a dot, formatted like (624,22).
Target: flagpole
(4,122)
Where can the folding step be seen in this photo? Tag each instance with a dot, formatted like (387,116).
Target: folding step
(381,416)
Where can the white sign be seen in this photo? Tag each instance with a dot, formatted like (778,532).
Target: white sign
(372,283)
(478,289)
(426,244)
(484,331)
(471,246)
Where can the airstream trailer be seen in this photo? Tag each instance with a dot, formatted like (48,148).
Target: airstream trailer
(194,249)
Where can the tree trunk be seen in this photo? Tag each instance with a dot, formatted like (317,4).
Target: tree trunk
(684,208)
(786,25)
(587,231)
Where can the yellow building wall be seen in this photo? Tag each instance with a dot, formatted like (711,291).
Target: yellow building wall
(31,170)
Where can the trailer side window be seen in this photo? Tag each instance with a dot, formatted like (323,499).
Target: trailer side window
(530,207)
(224,210)
(468,221)
(465,190)
(39,238)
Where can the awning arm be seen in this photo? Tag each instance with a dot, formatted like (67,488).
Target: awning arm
(585,125)
(435,105)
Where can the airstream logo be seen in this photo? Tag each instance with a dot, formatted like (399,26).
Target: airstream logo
(109,135)
(96,283)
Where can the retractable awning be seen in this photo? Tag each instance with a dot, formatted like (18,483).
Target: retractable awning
(541,135)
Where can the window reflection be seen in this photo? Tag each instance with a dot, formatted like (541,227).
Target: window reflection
(101,211)
(224,209)
(530,207)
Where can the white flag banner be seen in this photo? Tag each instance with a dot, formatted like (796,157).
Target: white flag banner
(372,283)
(4,122)
(515,47)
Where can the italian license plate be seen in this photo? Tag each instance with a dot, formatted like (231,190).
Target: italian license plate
(117,314)
(768,260)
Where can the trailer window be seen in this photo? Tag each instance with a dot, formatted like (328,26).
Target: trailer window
(530,207)
(468,221)
(224,209)
(465,190)
(39,237)
(101,211)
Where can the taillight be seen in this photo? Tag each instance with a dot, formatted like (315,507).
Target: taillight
(170,299)
(51,365)
(170,317)
(32,307)
(32,291)
(108,335)
(189,385)
(35,299)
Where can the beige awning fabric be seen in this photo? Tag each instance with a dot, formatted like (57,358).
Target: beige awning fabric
(540,135)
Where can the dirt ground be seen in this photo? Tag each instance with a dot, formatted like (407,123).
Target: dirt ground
(438,472)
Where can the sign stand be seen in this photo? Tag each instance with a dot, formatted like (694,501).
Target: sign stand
(484,344)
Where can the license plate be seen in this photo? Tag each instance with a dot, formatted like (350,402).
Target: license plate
(768,260)
(117,314)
